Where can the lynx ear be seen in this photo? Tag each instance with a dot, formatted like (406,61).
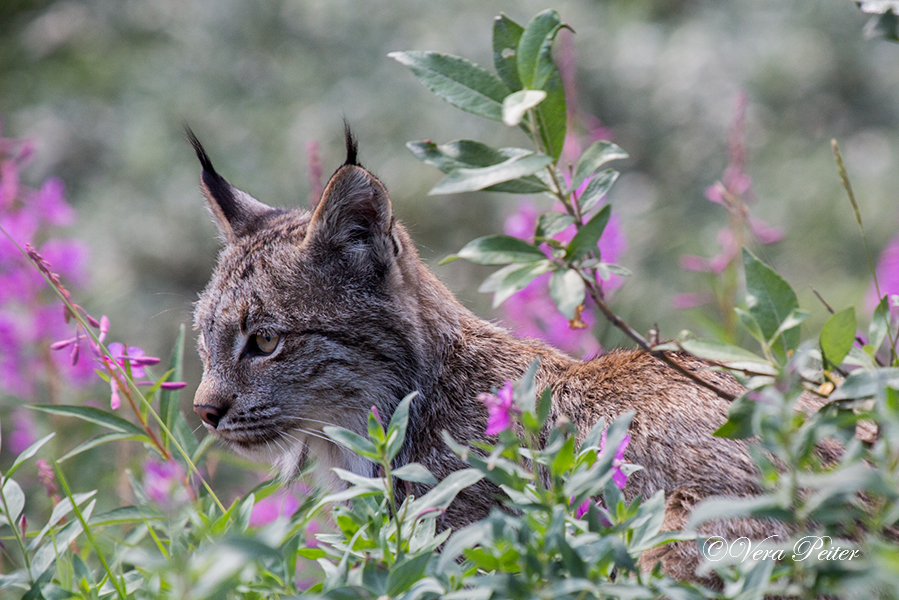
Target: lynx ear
(354,210)
(236,213)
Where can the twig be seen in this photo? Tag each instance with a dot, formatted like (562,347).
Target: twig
(844,179)
(596,295)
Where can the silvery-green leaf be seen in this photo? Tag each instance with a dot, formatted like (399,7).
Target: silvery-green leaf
(517,104)
(459,81)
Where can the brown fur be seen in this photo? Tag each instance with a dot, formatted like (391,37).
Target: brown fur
(363,322)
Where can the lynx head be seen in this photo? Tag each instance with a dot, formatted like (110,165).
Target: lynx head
(310,319)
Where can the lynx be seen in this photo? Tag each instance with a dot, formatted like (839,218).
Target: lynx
(311,319)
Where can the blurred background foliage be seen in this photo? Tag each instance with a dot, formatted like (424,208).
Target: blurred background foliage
(103,88)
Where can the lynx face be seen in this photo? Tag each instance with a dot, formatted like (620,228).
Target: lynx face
(308,319)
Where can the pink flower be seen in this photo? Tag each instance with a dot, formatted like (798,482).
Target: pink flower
(583,508)
(733,191)
(618,475)
(133,356)
(165,483)
(683,301)
(887,275)
(311,530)
(47,478)
(532,312)
(26,318)
(499,409)
(24,432)
(270,508)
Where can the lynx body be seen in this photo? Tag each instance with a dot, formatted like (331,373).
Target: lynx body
(311,319)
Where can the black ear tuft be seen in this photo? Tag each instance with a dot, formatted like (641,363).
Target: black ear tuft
(198,148)
(352,146)
(216,185)
(236,213)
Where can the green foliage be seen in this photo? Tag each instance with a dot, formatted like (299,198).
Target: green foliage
(885,22)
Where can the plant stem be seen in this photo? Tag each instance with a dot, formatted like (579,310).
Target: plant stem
(596,294)
(79,317)
(15,529)
(844,179)
(391,497)
(87,531)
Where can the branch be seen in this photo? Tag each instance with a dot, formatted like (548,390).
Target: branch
(596,294)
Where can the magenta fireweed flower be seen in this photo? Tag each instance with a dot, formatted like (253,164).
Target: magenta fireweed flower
(533,313)
(887,275)
(499,409)
(25,321)
(733,191)
(47,478)
(165,483)
(24,432)
(618,476)
(270,508)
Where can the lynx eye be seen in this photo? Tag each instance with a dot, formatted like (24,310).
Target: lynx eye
(265,343)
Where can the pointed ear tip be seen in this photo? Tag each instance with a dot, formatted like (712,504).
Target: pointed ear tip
(199,150)
(352,145)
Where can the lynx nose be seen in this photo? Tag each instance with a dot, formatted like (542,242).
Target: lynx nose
(210,404)
(210,414)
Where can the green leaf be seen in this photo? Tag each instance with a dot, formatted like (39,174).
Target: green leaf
(771,300)
(122,515)
(414,472)
(598,154)
(375,430)
(459,81)
(885,22)
(564,458)
(28,453)
(796,317)
(537,71)
(597,189)
(721,352)
(404,574)
(353,441)
(506,36)
(568,291)
(880,324)
(551,223)
(865,384)
(585,240)
(751,325)
(838,336)
(92,415)
(739,424)
(552,116)
(103,439)
(714,509)
(468,154)
(63,508)
(372,484)
(445,491)
(168,399)
(15,501)
(513,278)
(470,180)
(45,557)
(517,104)
(534,58)
(498,250)
(396,429)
